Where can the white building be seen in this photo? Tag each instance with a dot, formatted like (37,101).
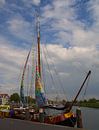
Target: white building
(4,99)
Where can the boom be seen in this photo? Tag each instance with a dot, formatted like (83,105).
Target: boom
(79,90)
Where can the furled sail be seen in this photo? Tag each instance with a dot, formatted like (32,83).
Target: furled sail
(22,80)
(39,91)
(22,92)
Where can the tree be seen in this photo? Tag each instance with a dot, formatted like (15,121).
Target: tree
(92,100)
(15,97)
(85,101)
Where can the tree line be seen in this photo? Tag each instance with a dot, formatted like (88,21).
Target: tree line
(16,98)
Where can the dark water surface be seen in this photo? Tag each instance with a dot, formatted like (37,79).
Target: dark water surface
(90,118)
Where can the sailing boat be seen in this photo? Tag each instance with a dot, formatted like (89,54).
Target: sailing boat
(66,117)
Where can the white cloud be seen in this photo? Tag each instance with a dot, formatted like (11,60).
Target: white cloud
(68,28)
(20,28)
(29,3)
(72,54)
(2,3)
(36,2)
(11,64)
(58,9)
(72,65)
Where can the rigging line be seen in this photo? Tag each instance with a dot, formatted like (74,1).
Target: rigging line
(34,61)
(27,85)
(81,66)
(86,87)
(46,61)
(52,63)
(43,77)
(32,74)
(59,79)
(49,70)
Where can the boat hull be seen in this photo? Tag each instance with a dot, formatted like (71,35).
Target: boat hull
(67,119)
(71,122)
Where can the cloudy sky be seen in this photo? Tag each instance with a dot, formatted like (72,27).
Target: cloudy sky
(69,39)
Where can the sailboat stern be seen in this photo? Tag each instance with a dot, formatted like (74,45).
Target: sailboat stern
(67,119)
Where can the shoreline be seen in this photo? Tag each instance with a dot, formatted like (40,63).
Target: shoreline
(89,105)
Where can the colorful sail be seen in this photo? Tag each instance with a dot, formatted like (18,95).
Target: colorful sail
(39,91)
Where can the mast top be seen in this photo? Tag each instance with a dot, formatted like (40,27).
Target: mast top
(38,25)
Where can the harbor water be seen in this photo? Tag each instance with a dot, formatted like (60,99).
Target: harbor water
(90,118)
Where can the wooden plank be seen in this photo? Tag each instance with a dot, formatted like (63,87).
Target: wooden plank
(15,124)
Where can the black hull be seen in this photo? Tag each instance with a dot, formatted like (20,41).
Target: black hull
(71,122)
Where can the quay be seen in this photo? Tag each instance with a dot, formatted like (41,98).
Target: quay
(16,124)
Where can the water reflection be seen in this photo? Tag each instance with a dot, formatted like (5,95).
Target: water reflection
(90,118)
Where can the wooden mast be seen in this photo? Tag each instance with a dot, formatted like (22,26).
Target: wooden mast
(38,45)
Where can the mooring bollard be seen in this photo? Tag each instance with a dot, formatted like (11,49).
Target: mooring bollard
(27,114)
(41,115)
(79,118)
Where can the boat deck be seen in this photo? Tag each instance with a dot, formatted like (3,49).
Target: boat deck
(15,124)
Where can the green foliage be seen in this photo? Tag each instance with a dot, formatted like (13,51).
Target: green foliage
(15,97)
(85,100)
(91,105)
(92,100)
